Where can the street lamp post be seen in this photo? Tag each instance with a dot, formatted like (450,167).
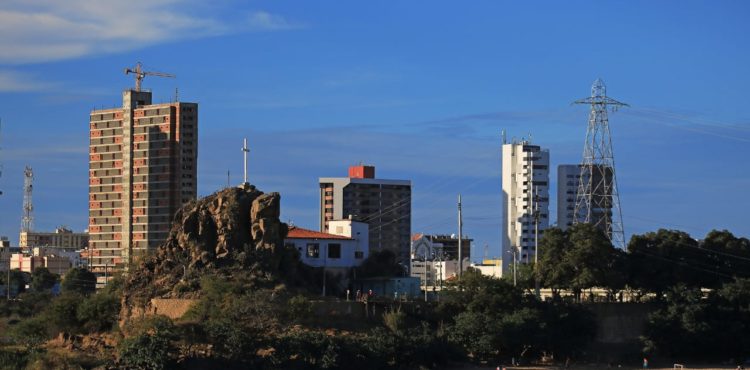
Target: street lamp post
(513,253)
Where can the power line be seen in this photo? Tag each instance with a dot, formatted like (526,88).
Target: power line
(684,264)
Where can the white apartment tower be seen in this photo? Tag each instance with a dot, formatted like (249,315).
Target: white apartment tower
(568,179)
(525,176)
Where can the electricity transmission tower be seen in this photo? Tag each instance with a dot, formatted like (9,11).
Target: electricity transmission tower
(27,222)
(597,199)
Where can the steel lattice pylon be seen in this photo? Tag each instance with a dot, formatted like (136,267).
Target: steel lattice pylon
(597,199)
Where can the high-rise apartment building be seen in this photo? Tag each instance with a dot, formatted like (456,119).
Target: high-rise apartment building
(525,176)
(568,180)
(568,187)
(385,205)
(142,168)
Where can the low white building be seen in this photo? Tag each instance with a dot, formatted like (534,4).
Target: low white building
(76,260)
(492,268)
(438,272)
(345,247)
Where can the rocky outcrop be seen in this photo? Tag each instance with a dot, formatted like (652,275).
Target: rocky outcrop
(232,231)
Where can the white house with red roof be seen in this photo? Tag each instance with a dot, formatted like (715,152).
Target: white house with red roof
(345,247)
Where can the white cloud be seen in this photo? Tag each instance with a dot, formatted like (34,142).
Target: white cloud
(12,81)
(264,21)
(46,30)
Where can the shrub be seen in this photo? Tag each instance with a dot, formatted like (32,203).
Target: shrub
(79,280)
(99,312)
(395,321)
(300,308)
(150,346)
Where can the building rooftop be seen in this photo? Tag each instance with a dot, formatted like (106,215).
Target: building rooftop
(300,233)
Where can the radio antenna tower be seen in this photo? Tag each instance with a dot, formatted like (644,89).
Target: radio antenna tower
(27,222)
(597,199)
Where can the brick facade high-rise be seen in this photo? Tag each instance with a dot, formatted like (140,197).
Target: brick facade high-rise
(142,168)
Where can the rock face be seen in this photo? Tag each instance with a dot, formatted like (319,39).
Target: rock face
(235,229)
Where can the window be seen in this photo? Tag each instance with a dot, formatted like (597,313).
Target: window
(334,251)
(313,250)
(359,255)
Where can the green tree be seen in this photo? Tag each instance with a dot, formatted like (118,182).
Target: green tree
(18,281)
(694,326)
(61,314)
(149,346)
(99,312)
(663,259)
(554,273)
(79,280)
(580,258)
(728,257)
(30,333)
(42,279)
(478,333)
(591,257)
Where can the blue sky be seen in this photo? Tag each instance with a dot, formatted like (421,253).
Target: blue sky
(420,89)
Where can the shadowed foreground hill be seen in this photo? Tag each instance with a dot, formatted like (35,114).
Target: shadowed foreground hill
(235,233)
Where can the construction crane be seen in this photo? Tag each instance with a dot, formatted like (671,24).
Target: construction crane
(140,74)
(27,222)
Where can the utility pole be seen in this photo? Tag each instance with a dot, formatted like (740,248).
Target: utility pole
(513,253)
(245,150)
(425,274)
(460,239)
(536,243)
(1,163)
(325,256)
(597,199)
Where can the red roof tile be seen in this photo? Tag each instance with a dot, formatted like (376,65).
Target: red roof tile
(300,233)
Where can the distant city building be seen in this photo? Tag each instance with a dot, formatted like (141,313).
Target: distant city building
(385,205)
(492,267)
(434,263)
(568,180)
(142,168)
(62,238)
(57,263)
(75,257)
(347,247)
(5,253)
(442,246)
(568,183)
(525,176)
(25,263)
